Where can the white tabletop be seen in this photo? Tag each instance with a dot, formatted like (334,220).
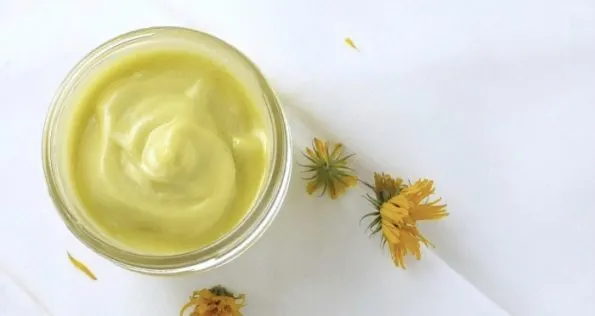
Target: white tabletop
(494,100)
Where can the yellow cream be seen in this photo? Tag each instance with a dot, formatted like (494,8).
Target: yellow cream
(166,151)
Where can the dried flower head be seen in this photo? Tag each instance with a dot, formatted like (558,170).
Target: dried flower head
(216,301)
(328,170)
(398,208)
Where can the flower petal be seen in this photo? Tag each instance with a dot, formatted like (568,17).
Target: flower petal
(205,294)
(424,212)
(398,255)
(393,214)
(420,190)
(311,154)
(312,186)
(334,189)
(400,201)
(411,242)
(337,150)
(391,233)
(321,149)
(350,180)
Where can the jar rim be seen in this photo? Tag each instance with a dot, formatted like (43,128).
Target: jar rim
(233,243)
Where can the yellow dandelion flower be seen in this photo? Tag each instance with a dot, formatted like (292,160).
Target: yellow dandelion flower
(329,170)
(398,208)
(216,301)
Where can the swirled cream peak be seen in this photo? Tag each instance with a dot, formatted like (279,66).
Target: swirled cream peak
(158,167)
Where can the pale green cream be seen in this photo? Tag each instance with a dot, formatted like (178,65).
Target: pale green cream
(167,151)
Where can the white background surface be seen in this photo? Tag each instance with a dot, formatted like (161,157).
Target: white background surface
(494,100)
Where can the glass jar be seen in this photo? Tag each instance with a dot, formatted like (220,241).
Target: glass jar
(270,196)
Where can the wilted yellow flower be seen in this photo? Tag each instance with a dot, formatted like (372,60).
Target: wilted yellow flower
(398,208)
(329,171)
(216,301)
